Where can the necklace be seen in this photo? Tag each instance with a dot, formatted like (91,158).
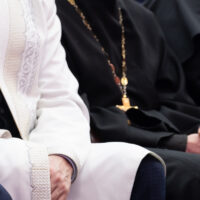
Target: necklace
(123,81)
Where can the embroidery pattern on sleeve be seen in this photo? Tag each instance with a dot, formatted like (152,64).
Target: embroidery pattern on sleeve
(30,55)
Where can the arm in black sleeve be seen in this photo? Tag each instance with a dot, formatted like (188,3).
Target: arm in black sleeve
(174,142)
(111,124)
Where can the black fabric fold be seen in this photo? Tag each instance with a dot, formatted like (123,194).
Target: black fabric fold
(156,79)
(180,21)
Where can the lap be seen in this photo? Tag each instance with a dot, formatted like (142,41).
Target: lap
(183,174)
(184,161)
(108,172)
(15,168)
(4,194)
(24,170)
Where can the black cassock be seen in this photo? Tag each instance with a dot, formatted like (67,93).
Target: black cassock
(167,113)
(7,121)
(180,21)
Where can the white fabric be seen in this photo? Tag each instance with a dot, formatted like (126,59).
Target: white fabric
(52,92)
(4,32)
(108,173)
(15,168)
(61,123)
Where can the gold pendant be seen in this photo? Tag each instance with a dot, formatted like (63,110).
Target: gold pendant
(126,104)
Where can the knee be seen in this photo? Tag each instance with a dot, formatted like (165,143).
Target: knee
(151,178)
(152,172)
(151,165)
(4,194)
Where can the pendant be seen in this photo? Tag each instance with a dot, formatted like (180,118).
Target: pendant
(126,104)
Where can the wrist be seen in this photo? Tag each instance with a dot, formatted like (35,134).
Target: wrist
(69,164)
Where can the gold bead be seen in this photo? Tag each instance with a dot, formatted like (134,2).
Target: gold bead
(124,81)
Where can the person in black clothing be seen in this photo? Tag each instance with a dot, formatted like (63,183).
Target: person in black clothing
(105,45)
(180,21)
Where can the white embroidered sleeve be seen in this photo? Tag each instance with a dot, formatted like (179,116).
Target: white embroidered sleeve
(62,118)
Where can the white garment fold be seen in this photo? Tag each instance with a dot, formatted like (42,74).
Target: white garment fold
(108,173)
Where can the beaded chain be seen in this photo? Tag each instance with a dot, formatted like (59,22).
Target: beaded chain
(123,82)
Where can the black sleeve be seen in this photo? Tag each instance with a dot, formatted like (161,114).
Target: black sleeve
(174,142)
(111,124)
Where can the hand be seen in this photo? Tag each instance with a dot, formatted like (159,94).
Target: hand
(193,143)
(60,176)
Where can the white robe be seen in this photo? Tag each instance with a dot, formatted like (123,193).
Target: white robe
(42,95)
(108,173)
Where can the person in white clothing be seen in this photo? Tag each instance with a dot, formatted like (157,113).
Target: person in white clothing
(44,125)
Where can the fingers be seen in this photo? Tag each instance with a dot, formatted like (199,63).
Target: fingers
(60,176)
(60,185)
(63,197)
(61,191)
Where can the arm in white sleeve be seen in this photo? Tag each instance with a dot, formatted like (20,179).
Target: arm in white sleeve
(62,118)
